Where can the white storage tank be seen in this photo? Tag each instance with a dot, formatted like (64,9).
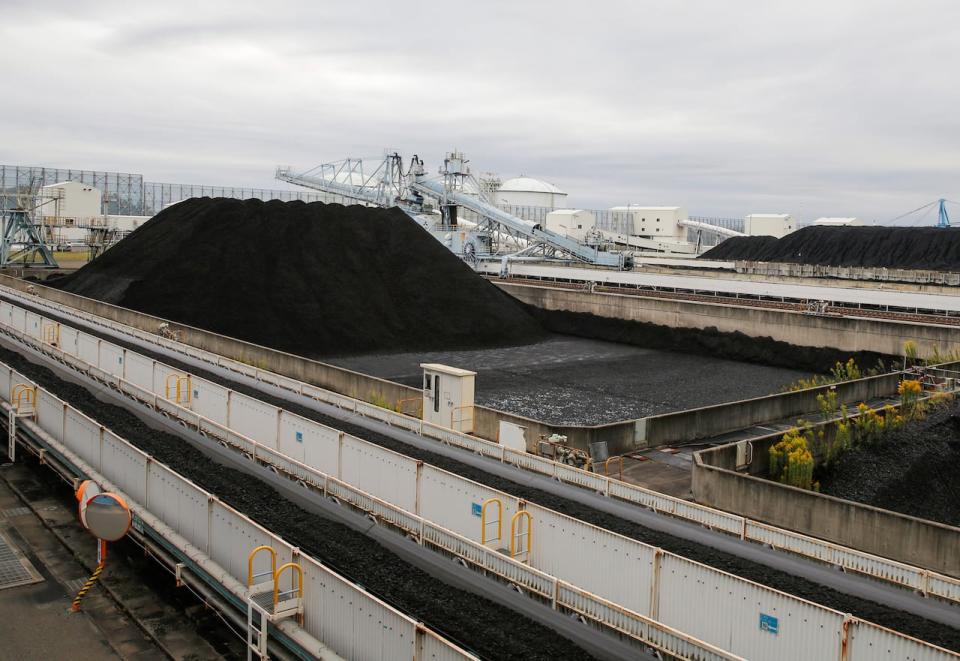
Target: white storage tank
(575,223)
(648,221)
(769,224)
(529,192)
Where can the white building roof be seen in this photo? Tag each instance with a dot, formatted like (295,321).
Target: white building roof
(637,207)
(529,185)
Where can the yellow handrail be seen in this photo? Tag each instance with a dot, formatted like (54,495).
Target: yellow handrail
(21,391)
(515,536)
(483,520)
(51,334)
(175,383)
(273,563)
(276,581)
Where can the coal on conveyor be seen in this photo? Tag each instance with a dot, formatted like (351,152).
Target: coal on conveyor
(312,279)
(925,248)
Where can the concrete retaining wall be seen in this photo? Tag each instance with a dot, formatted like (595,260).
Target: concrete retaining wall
(710,421)
(842,333)
(881,532)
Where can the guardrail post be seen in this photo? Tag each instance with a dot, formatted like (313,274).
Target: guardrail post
(845,637)
(416,502)
(655,585)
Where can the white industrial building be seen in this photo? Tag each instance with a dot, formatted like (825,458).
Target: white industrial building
(575,223)
(838,222)
(648,221)
(529,192)
(769,224)
(69,203)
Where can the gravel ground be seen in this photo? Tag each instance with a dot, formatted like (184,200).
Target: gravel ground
(914,471)
(487,628)
(567,380)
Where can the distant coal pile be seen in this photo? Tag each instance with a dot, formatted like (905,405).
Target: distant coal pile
(312,279)
(927,248)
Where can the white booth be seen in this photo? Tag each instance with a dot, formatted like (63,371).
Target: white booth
(448,396)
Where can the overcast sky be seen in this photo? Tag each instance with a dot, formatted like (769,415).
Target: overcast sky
(726,108)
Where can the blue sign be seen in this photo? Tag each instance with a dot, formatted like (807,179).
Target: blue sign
(476,509)
(769,623)
(196,394)
(299,437)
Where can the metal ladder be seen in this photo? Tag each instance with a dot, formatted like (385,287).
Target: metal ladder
(23,400)
(266,603)
(257,620)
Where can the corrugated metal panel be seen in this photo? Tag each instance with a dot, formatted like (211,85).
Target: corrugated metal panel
(729,612)
(111,358)
(68,339)
(18,318)
(179,504)
(353,624)
(32,325)
(125,465)
(234,536)
(868,642)
(83,436)
(139,369)
(430,647)
(209,400)
(597,560)
(87,348)
(453,502)
(50,414)
(380,472)
(257,419)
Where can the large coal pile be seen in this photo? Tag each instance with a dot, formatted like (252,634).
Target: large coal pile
(913,471)
(312,279)
(927,248)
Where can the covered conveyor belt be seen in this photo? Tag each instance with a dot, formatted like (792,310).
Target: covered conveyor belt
(99,352)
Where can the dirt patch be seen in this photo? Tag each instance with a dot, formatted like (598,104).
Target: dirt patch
(912,471)
(312,279)
(487,628)
(928,248)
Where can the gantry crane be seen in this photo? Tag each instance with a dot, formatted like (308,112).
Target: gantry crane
(454,187)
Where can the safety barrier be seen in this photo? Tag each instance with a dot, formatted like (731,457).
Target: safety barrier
(636,596)
(360,626)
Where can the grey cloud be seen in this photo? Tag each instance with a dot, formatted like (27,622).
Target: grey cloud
(819,108)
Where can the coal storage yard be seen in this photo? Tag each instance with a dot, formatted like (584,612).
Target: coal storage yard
(925,248)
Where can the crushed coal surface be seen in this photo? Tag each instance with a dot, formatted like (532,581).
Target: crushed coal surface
(913,470)
(927,248)
(487,628)
(703,341)
(567,380)
(887,616)
(312,279)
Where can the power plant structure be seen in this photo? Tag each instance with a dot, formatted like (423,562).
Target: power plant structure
(484,219)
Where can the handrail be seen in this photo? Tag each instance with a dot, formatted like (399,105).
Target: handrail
(484,522)
(276,581)
(273,564)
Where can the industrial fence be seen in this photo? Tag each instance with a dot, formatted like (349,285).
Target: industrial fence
(337,612)
(126,194)
(638,578)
